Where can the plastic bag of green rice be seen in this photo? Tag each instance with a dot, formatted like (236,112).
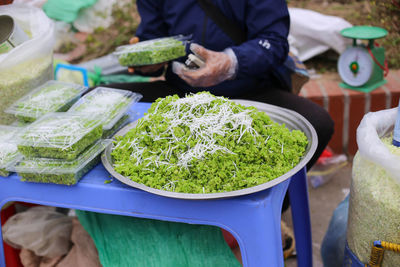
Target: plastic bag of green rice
(374,209)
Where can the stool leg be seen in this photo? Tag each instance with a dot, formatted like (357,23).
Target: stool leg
(2,256)
(260,242)
(298,194)
(258,230)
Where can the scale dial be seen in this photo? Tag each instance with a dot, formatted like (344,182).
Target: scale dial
(355,66)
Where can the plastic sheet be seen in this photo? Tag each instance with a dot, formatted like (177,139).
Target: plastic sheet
(37,228)
(126,241)
(312,33)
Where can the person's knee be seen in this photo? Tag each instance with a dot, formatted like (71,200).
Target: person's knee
(327,126)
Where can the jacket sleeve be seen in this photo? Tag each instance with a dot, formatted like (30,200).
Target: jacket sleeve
(267,23)
(152,24)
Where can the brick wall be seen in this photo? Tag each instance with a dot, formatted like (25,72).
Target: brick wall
(347,107)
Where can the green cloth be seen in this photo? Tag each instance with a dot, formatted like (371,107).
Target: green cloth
(97,78)
(66,10)
(128,241)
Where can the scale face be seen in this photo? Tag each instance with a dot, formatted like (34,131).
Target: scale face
(363,67)
(355,66)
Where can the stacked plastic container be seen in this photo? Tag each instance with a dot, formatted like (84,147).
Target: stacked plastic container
(61,171)
(112,105)
(53,96)
(9,154)
(59,148)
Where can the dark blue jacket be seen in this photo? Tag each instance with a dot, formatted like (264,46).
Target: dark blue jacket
(265,21)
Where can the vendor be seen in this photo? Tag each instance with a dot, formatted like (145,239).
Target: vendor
(243,68)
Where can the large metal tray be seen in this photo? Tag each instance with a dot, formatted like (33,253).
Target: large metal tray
(291,119)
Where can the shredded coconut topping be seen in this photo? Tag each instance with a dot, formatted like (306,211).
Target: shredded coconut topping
(204,121)
(60,132)
(49,99)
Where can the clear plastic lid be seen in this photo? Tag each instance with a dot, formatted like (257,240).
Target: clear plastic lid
(8,132)
(111,104)
(152,51)
(9,154)
(49,97)
(58,130)
(59,166)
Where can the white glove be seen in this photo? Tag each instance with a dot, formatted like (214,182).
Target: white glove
(218,67)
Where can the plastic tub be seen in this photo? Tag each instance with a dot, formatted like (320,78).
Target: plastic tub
(59,135)
(9,154)
(111,104)
(52,96)
(152,51)
(58,171)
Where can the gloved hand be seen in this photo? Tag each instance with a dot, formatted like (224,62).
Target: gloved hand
(219,66)
(144,69)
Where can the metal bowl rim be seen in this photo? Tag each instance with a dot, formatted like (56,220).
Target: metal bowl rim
(312,146)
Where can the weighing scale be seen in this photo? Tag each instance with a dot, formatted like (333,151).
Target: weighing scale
(363,67)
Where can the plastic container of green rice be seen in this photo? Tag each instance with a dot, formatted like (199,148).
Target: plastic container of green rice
(9,154)
(57,171)
(112,105)
(152,51)
(61,135)
(53,96)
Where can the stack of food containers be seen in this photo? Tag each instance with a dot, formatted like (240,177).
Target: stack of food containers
(60,147)
(9,154)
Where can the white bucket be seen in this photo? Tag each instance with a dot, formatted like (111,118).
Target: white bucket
(11,35)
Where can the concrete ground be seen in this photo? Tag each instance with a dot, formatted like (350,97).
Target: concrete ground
(323,201)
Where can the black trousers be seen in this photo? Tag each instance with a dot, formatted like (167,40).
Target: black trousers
(315,114)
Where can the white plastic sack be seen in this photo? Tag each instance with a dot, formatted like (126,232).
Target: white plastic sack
(98,15)
(63,34)
(29,64)
(35,3)
(374,207)
(312,33)
(373,126)
(41,230)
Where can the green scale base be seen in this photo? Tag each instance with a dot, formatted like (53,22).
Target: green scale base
(365,89)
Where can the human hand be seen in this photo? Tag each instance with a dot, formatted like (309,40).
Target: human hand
(218,67)
(144,69)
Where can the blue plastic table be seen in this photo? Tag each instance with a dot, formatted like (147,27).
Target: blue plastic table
(254,220)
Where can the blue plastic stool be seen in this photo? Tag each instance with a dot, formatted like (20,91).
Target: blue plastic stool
(254,220)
